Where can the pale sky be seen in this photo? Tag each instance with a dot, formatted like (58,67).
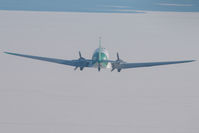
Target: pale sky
(37,96)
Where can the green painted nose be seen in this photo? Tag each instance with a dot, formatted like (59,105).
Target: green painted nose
(99,58)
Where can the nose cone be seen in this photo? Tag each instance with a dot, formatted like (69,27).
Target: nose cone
(102,52)
(100,55)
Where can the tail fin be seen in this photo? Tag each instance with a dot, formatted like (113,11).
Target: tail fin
(100,49)
(100,38)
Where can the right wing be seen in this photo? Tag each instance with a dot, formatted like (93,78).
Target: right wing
(76,63)
(150,64)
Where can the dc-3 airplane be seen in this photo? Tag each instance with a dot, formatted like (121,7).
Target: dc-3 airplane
(100,59)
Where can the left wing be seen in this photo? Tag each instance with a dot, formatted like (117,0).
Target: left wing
(77,63)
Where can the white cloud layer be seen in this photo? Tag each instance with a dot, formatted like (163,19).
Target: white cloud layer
(41,97)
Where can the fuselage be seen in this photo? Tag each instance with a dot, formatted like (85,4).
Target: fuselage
(100,57)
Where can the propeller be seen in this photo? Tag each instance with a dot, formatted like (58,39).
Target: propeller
(116,64)
(75,68)
(82,61)
(118,57)
(80,55)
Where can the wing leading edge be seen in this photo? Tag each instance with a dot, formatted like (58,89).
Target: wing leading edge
(150,64)
(76,63)
(120,64)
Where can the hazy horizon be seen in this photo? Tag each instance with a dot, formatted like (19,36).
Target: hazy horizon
(103,6)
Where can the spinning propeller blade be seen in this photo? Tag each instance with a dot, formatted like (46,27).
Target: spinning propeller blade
(118,57)
(80,55)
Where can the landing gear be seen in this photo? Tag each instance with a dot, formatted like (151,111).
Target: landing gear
(81,68)
(119,70)
(99,69)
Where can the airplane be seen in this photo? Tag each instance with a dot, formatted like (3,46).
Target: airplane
(100,59)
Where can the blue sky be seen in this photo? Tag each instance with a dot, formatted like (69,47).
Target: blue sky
(101,5)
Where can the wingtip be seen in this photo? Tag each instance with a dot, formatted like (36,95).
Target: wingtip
(6,52)
(9,53)
(190,61)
